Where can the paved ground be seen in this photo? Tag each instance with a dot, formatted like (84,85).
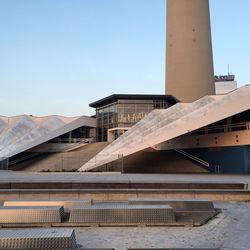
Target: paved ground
(229,230)
(7,176)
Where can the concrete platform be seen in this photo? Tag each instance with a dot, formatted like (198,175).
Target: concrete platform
(8,177)
(215,234)
(123,185)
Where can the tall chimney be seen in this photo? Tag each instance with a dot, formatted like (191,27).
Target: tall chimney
(189,57)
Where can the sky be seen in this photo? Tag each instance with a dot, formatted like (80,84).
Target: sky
(57,56)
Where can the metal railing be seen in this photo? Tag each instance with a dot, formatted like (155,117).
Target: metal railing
(194,158)
(222,128)
(73,140)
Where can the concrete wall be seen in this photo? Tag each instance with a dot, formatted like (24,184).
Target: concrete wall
(222,88)
(247,157)
(61,161)
(225,139)
(150,161)
(233,160)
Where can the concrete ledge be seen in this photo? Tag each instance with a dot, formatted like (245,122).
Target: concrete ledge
(123,185)
(124,195)
(4,185)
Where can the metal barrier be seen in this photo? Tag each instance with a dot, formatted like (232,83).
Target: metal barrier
(192,157)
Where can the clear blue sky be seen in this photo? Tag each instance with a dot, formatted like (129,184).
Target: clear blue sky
(57,56)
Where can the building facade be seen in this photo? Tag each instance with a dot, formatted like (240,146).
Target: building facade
(115,114)
(225,84)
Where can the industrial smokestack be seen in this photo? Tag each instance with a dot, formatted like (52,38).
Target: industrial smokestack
(189,58)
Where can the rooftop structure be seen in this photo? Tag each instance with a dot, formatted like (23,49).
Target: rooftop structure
(225,84)
(117,113)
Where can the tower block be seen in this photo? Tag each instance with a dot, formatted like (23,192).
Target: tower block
(189,57)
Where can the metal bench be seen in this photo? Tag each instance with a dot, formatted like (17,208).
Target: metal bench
(32,214)
(121,213)
(38,239)
(66,203)
(178,205)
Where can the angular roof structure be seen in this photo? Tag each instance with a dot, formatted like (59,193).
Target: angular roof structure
(112,98)
(20,133)
(162,125)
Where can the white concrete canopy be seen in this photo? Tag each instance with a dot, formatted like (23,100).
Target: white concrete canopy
(18,134)
(162,125)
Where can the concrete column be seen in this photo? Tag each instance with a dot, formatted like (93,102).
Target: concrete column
(70,137)
(189,58)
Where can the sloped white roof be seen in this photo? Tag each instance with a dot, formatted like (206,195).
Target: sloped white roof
(20,133)
(163,125)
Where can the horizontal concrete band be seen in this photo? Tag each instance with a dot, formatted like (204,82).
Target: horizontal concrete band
(121,185)
(32,214)
(38,239)
(124,195)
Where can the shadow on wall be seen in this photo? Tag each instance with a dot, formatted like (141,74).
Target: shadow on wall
(152,161)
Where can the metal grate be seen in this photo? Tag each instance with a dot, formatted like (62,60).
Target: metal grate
(42,214)
(177,204)
(38,239)
(122,213)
